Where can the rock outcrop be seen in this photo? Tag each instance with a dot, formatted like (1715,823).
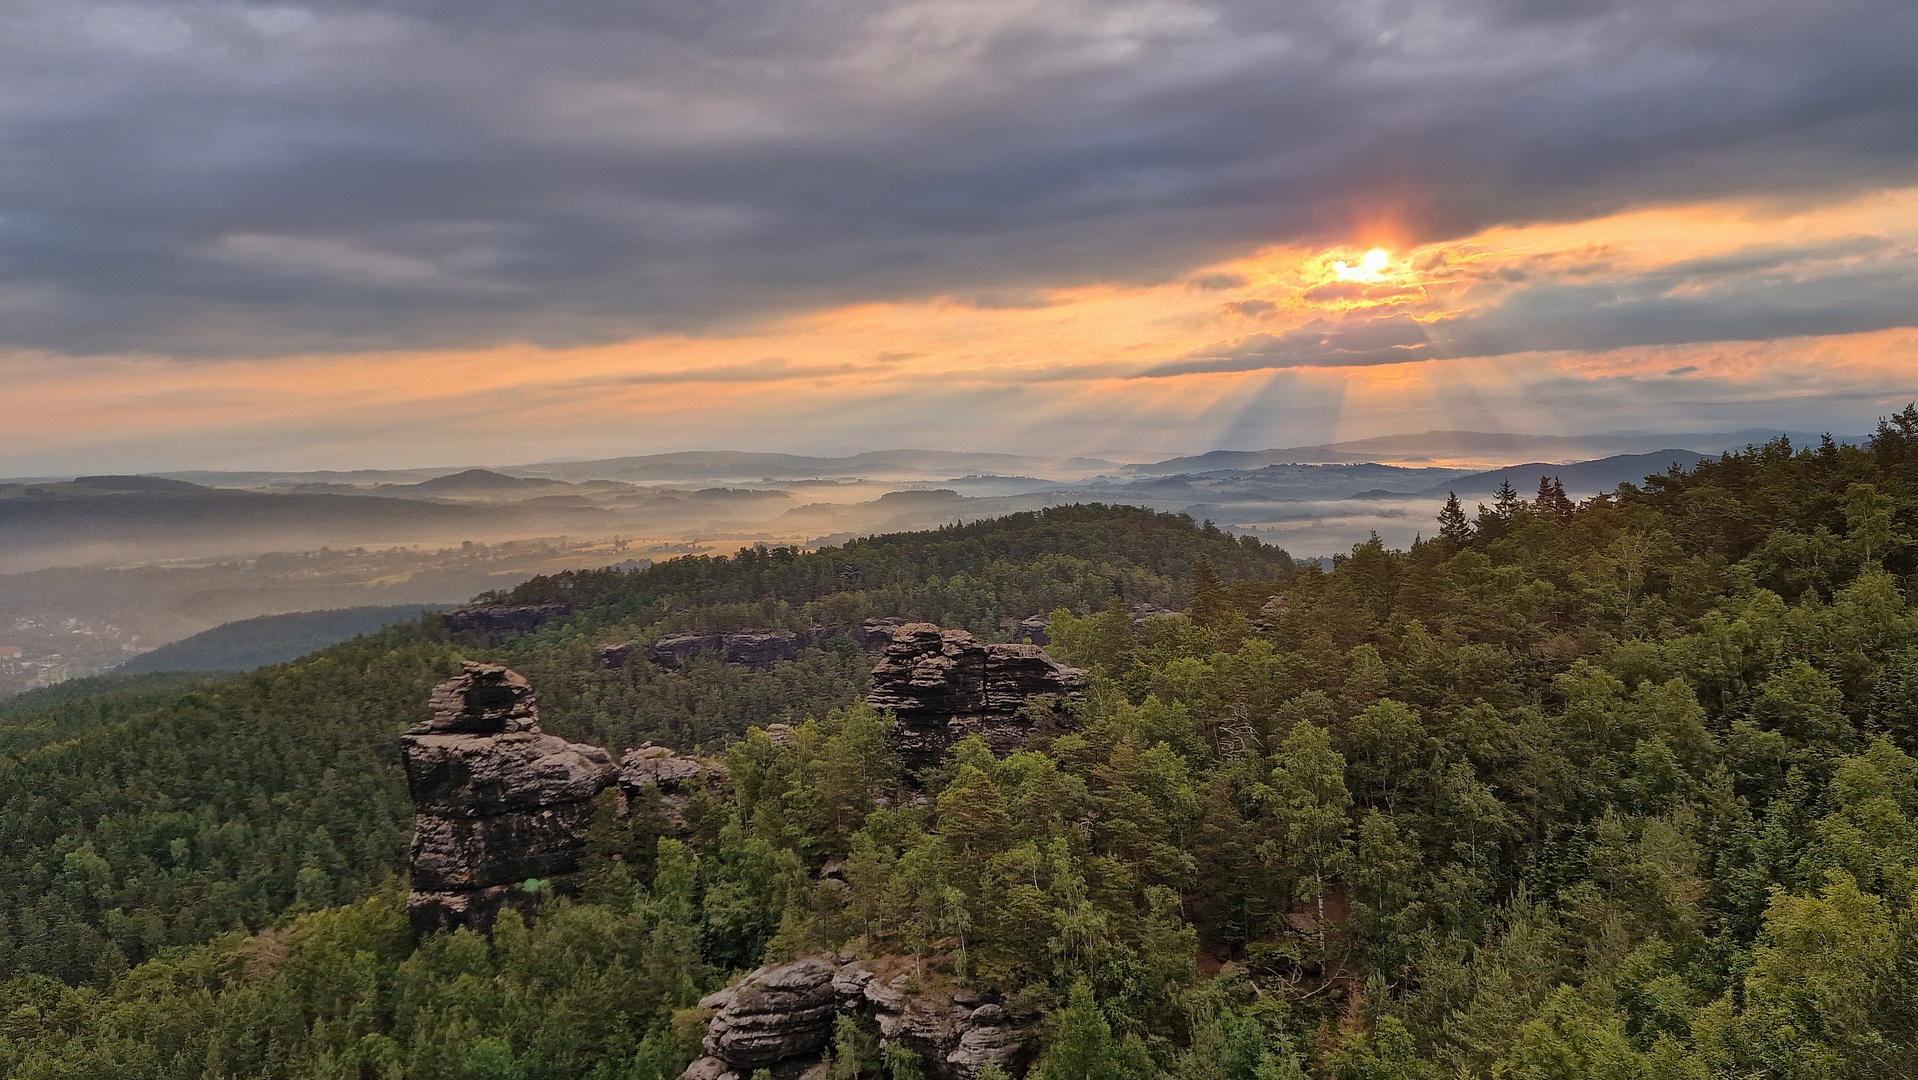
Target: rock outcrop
(495,619)
(498,803)
(780,1018)
(875,633)
(614,655)
(946,685)
(1035,629)
(753,648)
(673,776)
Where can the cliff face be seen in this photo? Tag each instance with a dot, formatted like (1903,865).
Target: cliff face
(946,685)
(496,619)
(753,648)
(780,1018)
(498,803)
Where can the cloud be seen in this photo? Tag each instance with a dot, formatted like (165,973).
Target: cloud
(769,370)
(1752,295)
(1756,292)
(211,177)
(1353,342)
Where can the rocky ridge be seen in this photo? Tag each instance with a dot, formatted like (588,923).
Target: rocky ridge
(752,648)
(497,619)
(503,810)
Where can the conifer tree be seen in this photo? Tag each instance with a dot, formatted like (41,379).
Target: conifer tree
(1552,500)
(1507,501)
(1207,599)
(1084,1048)
(1452,523)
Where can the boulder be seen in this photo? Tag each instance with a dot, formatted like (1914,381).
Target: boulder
(981,1044)
(662,767)
(486,699)
(946,685)
(500,808)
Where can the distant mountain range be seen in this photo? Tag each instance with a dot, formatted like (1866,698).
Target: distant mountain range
(1484,447)
(1470,450)
(700,466)
(1579,478)
(671,500)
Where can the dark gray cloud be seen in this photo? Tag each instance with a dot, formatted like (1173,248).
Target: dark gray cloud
(205,177)
(1757,294)
(1747,296)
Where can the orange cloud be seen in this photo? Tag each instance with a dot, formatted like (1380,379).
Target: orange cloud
(1061,368)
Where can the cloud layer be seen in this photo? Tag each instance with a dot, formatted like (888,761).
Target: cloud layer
(200,178)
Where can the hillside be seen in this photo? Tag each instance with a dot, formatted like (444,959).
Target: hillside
(1579,477)
(1621,788)
(270,639)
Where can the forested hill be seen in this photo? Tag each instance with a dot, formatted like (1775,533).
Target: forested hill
(136,819)
(1622,788)
(270,639)
(961,575)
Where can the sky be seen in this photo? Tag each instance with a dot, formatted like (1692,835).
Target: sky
(427,232)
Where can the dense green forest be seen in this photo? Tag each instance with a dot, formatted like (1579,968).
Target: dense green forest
(1620,789)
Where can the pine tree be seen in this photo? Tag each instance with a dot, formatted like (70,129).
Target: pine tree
(1207,599)
(1552,500)
(1507,501)
(1452,523)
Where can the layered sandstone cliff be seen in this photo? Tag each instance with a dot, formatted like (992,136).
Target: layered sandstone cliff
(781,1017)
(501,808)
(946,685)
(752,648)
(500,619)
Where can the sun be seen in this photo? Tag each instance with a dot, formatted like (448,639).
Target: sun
(1369,268)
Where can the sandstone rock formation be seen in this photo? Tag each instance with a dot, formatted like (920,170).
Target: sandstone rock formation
(875,633)
(1035,629)
(946,685)
(494,619)
(674,776)
(614,655)
(497,803)
(780,1018)
(753,648)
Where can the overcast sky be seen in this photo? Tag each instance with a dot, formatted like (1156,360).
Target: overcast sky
(437,231)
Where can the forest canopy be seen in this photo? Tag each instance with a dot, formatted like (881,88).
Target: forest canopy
(1621,788)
